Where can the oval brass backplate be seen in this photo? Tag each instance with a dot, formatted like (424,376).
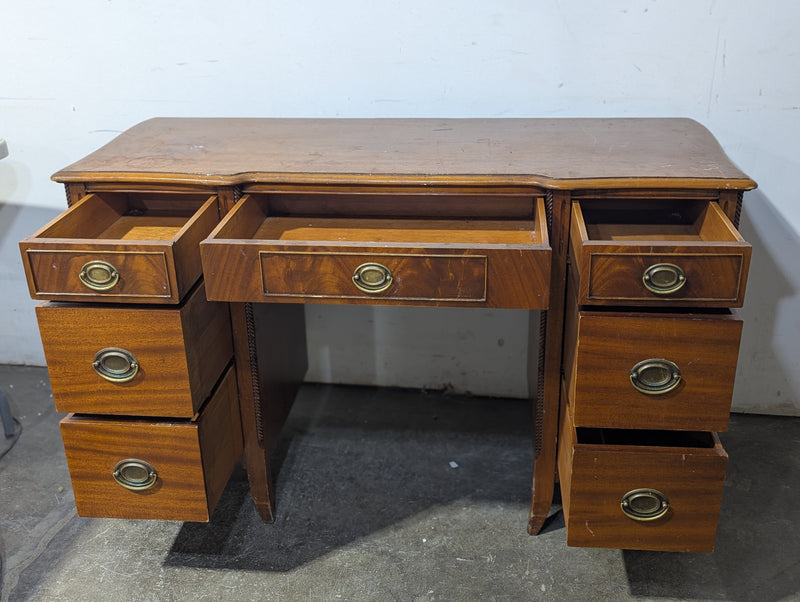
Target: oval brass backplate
(663,278)
(655,376)
(372,277)
(99,275)
(136,475)
(115,365)
(644,504)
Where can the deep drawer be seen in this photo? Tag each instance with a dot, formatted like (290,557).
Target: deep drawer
(136,361)
(641,490)
(651,370)
(255,255)
(669,253)
(154,470)
(121,247)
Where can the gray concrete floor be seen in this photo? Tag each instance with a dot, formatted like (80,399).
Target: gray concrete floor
(370,508)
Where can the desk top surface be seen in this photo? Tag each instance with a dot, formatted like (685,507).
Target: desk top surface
(550,153)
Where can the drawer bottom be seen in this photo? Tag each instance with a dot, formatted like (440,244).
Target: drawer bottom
(142,469)
(641,490)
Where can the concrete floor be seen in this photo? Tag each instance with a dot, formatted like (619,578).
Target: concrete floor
(370,508)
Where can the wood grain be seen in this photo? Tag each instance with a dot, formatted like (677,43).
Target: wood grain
(181,353)
(711,253)
(595,477)
(156,254)
(428,267)
(550,153)
(193,459)
(607,345)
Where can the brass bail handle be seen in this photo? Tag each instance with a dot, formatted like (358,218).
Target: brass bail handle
(655,376)
(663,278)
(135,474)
(644,504)
(99,275)
(372,277)
(116,365)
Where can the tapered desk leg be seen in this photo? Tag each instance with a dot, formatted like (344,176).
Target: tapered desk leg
(271,361)
(546,372)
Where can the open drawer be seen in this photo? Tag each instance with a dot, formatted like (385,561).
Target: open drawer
(640,490)
(121,247)
(659,252)
(261,253)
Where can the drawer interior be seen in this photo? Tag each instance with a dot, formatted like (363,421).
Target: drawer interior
(514,221)
(645,438)
(662,220)
(127,216)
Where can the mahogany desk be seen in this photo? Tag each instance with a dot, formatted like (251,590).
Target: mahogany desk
(622,232)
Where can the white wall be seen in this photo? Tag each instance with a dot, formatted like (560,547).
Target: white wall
(76,73)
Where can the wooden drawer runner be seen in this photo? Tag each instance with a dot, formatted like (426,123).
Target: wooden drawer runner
(667,253)
(651,370)
(136,361)
(121,247)
(255,256)
(191,461)
(602,470)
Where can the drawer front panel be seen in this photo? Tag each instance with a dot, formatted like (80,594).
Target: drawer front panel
(141,276)
(409,277)
(658,371)
(596,478)
(242,272)
(135,361)
(190,461)
(620,278)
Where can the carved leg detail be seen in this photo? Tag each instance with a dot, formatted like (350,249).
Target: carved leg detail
(270,351)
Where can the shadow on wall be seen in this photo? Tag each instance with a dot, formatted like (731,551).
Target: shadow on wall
(767,378)
(19,333)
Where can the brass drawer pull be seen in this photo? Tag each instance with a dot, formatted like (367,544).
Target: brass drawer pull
(99,275)
(115,365)
(372,277)
(655,376)
(644,504)
(663,278)
(136,475)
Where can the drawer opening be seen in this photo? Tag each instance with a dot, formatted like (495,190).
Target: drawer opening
(256,218)
(632,220)
(128,217)
(423,204)
(645,438)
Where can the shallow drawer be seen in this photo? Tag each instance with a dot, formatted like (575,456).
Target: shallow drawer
(136,361)
(254,255)
(158,470)
(640,490)
(650,369)
(658,253)
(120,247)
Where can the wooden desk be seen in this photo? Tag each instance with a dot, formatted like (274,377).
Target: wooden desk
(622,232)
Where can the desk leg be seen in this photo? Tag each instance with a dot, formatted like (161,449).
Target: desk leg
(271,361)
(547,371)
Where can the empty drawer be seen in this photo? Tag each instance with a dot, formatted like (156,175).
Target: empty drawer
(665,253)
(121,247)
(254,255)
